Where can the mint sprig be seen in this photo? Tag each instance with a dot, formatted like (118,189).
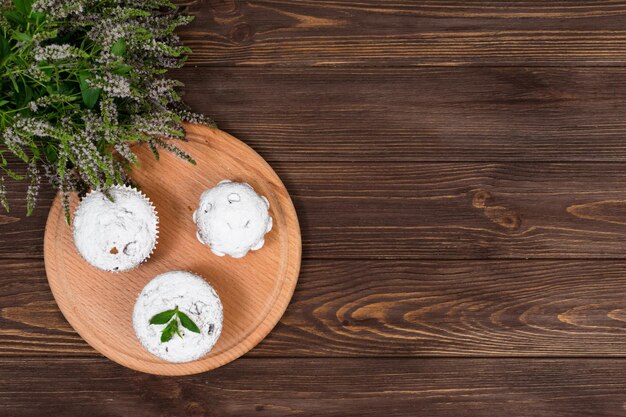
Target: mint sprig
(77,90)
(172,318)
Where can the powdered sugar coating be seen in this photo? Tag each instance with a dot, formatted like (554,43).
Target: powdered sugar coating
(232,219)
(194,297)
(115,235)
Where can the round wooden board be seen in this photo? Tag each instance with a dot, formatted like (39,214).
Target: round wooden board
(255,290)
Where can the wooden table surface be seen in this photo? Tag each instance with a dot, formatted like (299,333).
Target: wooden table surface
(459,170)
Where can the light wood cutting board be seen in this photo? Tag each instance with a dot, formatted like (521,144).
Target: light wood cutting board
(255,290)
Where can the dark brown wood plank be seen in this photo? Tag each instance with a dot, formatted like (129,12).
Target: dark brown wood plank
(460,308)
(388,308)
(457,210)
(280,387)
(407,33)
(21,236)
(30,321)
(431,211)
(417,114)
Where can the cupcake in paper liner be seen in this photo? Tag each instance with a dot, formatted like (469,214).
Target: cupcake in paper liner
(119,234)
(232,219)
(178,316)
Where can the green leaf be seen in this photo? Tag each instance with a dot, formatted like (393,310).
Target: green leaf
(51,153)
(38,15)
(22,37)
(46,70)
(35,150)
(25,94)
(3,102)
(5,49)
(66,88)
(119,47)
(15,17)
(162,317)
(169,331)
(14,175)
(90,95)
(19,152)
(23,6)
(122,69)
(187,322)
(15,86)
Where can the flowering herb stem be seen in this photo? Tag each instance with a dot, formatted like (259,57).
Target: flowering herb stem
(81,81)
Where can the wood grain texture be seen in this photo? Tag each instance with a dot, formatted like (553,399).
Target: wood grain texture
(443,308)
(459,210)
(357,308)
(254,291)
(441,211)
(406,33)
(31,320)
(296,387)
(21,236)
(417,114)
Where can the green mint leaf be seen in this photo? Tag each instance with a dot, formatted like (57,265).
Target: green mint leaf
(5,49)
(122,69)
(163,317)
(51,153)
(14,175)
(25,94)
(15,17)
(168,332)
(38,15)
(187,322)
(22,37)
(119,47)
(23,6)
(90,95)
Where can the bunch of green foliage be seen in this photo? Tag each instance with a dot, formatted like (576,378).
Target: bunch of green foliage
(80,82)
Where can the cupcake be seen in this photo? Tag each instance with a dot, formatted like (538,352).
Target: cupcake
(232,219)
(115,234)
(178,317)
